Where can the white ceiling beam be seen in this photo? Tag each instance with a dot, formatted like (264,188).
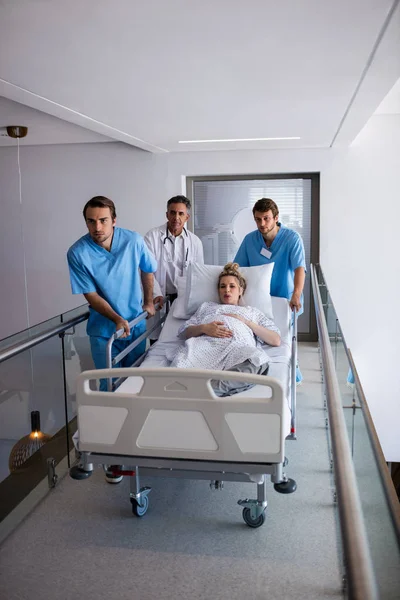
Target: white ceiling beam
(381,72)
(19,94)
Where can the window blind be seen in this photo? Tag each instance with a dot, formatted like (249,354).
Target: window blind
(223,216)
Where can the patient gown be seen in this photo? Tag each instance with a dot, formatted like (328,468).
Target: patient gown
(205,352)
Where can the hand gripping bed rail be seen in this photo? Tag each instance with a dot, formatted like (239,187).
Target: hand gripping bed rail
(176,415)
(110,362)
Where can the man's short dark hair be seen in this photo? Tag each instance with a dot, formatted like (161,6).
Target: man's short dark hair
(264,205)
(100,202)
(180,200)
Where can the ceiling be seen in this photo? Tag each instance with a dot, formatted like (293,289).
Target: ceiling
(42,128)
(390,105)
(153,73)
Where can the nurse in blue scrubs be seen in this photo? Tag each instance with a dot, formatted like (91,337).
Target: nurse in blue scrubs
(109,266)
(272,242)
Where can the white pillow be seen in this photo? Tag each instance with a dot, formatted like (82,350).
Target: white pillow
(202,281)
(258,288)
(179,307)
(201,286)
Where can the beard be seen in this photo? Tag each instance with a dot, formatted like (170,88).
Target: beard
(267,231)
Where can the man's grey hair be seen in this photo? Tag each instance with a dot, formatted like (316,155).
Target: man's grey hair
(181,200)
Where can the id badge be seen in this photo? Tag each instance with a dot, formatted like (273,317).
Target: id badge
(265,252)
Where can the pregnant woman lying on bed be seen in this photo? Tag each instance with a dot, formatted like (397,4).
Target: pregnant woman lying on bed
(226,336)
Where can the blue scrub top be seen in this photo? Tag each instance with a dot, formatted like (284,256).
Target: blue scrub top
(287,252)
(113,274)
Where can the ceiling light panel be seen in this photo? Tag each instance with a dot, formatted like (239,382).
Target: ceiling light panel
(265,139)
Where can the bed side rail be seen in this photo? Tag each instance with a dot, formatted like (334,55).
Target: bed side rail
(110,362)
(175,414)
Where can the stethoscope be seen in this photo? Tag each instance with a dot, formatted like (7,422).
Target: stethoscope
(187,249)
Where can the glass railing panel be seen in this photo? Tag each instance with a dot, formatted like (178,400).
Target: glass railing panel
(383,542)
(75,312)
(48,389)
(323,290)
(30,381)
(381,533)
(27,334)
(341,361)
(15,405)
(330,318)
(77,358)
(332,326)
(346,388)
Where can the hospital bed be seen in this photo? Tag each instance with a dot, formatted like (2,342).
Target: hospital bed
(166,422)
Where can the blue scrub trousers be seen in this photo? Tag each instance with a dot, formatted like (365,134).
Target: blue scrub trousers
(98,347)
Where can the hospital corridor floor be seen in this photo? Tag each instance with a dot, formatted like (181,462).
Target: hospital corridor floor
(82,540)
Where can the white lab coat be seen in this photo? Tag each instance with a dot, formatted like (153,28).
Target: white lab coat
(193,250)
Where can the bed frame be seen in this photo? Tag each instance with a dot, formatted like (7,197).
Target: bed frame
(175,426)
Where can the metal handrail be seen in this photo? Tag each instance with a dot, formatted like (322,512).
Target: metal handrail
(360,576)
(12,351)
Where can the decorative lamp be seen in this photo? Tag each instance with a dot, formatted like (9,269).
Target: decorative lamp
(29,444)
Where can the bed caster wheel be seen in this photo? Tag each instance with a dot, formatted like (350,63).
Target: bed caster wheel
(248,519)
(286,487)
(140,511)
(77,472)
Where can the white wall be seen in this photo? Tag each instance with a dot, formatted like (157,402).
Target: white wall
(56,183)
(244,162)
(360,214)
(12,289)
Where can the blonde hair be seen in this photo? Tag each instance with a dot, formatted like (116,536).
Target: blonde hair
(232,269)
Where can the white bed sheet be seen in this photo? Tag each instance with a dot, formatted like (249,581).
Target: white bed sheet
(280,356)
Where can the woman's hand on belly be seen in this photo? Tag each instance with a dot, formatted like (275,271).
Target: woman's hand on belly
(217,329)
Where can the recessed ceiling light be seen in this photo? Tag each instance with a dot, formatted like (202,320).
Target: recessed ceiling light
(266,139)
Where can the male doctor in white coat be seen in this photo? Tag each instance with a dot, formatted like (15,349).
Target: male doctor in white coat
(174,248)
